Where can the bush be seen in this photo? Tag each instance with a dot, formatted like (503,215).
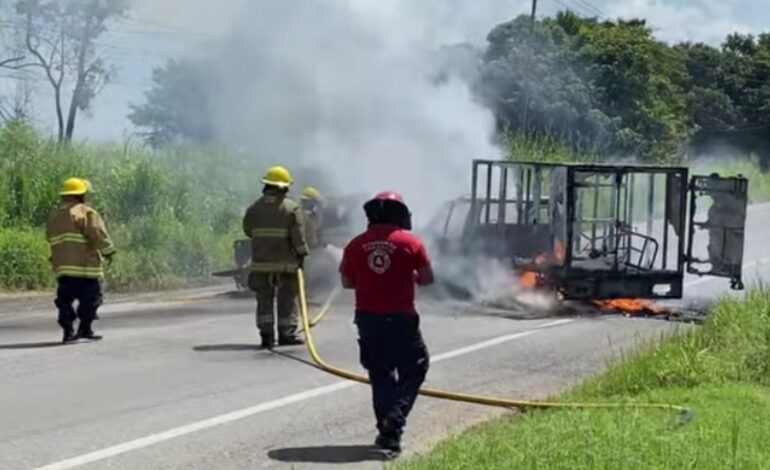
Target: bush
(173,213)
(23,260)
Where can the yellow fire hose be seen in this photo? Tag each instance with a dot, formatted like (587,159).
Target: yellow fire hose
(685,413)
(322,312)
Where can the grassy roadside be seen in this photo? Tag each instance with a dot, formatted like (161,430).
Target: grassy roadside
(721,370)
(173,213)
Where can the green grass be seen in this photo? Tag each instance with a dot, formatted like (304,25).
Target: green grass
(721,370)
(23,260)
(173,213)
(548,149)
(759,182)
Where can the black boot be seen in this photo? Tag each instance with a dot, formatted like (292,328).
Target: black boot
(268,342)
(69,337)
(290,340)
(85,332)
(390,444)
(90,335)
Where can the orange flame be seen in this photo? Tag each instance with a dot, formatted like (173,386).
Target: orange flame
(630,306)
(558,250)
(529,279)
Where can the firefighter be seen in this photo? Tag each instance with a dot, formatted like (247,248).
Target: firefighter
(312,207)
(274,223)
(382,265)
(79,242)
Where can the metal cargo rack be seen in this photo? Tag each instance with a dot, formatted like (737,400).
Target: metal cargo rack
(598,231)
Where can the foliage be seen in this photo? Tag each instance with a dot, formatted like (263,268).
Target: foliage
(607,87)
(23,260)
(178,106)
(171,216)
(534,85)
(60,41)
(721,370)
(729,94)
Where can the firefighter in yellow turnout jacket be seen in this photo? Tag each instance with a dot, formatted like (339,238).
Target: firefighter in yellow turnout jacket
(275,225)
(79,242)
(312,208)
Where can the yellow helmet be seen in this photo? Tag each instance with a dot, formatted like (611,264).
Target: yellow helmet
(74,187)
(277,176)
(311,193)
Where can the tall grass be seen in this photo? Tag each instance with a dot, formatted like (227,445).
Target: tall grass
(526,148)
(721,370)
(173,213)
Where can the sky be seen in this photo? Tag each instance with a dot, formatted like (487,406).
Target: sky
(157,30)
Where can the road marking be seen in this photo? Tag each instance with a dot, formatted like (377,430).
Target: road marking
(496,341)
(152,439)
(173,433)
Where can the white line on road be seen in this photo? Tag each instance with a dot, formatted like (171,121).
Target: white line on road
(147,441)
(306,395)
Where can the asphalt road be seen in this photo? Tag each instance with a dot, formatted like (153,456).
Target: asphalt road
(181,385)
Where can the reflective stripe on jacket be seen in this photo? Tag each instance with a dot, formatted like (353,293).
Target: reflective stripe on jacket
(79,240)
(276,228)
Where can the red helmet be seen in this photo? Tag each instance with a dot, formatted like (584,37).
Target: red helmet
(388,206)
(388,196)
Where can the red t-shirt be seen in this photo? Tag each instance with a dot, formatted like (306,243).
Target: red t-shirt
(382,263)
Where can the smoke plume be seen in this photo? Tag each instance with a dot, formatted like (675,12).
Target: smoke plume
(349,87)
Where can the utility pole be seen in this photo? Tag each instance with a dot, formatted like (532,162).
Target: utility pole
(525,107)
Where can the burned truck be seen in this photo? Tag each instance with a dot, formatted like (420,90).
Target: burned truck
(598,231)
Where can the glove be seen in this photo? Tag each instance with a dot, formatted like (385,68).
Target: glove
(108,259)
(301,262)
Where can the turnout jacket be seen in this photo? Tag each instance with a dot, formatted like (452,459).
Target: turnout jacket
(79,241)
(276,228)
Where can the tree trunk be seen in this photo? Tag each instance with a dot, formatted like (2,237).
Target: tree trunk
(77,92)
(59,113)
(73,111)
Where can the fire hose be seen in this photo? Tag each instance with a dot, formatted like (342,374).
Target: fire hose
(322,312)
(685,413)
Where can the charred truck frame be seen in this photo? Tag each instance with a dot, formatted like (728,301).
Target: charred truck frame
(595,231)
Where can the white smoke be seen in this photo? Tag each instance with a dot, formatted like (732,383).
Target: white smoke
(347,86)
(491,282)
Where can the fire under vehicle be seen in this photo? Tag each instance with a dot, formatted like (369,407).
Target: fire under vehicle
(599,231)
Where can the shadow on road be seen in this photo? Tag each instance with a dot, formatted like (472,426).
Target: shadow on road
(226,347)
(328,454)
(294,358)
(38,345)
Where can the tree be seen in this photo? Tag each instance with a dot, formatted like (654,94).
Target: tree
(178,106)
(535,83)
(604,85)
(729,94)
(16,107)
(60,36)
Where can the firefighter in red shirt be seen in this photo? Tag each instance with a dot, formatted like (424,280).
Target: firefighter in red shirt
(382,265)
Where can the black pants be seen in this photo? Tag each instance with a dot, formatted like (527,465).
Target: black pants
(88,293)
(395,356)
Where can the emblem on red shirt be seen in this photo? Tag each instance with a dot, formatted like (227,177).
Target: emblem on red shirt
(379,256)
(379,261)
